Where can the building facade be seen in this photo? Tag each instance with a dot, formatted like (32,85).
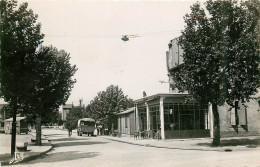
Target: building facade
(243,122)
(174,58)
(126,121)
(172,115)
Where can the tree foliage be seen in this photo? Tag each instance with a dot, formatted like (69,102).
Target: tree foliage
(221,53)
(73,116)
(49,75)
(20,36)
(107,103)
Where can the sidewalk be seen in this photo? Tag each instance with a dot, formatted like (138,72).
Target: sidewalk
(32,150)
(203,144)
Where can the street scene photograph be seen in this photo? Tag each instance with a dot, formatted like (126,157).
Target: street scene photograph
(130,83)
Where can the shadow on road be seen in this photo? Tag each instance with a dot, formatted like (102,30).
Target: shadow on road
(235,142)
(55,135)
(64,156)
(68,139)
(67,144)
(4,157)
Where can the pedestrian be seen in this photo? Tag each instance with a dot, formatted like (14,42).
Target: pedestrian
(69,127)
(70,131)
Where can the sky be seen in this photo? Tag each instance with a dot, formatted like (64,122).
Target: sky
(91,32)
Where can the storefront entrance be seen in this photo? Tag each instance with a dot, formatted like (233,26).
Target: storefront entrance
(173,116)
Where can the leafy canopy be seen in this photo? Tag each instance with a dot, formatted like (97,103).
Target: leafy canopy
(20,36)
(73,116)
(107,103)
(50,78)
(221,52)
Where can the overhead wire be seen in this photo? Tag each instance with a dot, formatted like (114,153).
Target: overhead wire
(112,36)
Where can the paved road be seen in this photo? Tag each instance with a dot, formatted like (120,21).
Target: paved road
(98,152)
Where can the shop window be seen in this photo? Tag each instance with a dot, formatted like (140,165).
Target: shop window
(232,117)
(167,126)
(238,114)
(206,119)
(242,114)
(143,121)
(187,122)
(166,106)
(189,116)
(126,122)
(176,113)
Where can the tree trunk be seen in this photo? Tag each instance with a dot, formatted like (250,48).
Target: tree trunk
(38,130)
(216,128)
(13,140)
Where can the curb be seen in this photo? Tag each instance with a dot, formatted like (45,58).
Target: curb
(28,158)
(165,147)
(36,155)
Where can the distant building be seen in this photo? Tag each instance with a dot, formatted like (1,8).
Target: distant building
(65,109)
(2,118)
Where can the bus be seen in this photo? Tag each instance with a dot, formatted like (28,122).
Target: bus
(21,125)
(86,126)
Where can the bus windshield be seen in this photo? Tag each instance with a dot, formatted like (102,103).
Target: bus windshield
(87,123)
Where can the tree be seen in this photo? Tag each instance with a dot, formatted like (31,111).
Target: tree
(107,103)
(52,118)
(221,54)
(20,36)
(49,74)
(73,116)
(59,119)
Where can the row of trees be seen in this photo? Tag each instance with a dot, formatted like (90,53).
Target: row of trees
(35,79)
(221,54)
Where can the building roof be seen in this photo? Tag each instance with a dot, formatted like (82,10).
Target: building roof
(67,106)
(2,105)
(148,98)
(129,110)
(87,119)
(17,119)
